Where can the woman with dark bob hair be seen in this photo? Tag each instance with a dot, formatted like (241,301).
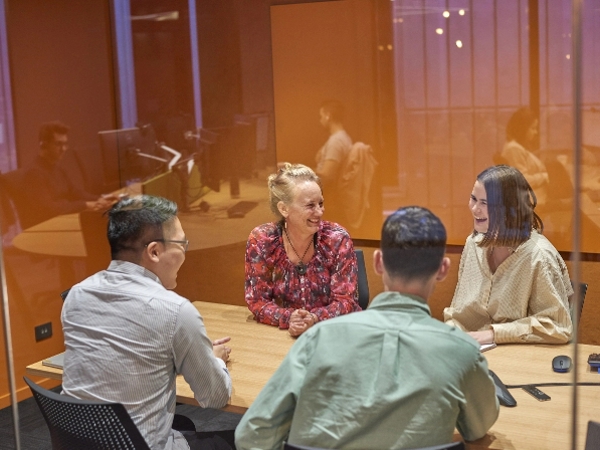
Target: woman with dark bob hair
(300,269)
(513,286)
(522,138)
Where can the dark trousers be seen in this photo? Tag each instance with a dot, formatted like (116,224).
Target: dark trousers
(204,440)
(210,440)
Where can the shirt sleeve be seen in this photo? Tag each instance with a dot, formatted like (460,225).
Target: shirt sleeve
(480,409)
(195,360)
(259,287)
(449,311)
(267,422)
(40,195)
(527,163)
(549,319)
(344,284)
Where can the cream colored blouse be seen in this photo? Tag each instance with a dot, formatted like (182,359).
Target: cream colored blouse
(524,301)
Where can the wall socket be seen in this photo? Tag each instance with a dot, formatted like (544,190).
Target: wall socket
(43,331)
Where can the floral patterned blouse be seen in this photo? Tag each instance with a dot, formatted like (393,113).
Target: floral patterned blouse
(274,288)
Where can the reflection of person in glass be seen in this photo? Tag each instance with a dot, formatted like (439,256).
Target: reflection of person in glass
(300,269)
(331,156)
(513,286)
(50,189)
(522,138)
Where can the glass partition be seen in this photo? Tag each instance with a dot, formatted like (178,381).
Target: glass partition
(218,93)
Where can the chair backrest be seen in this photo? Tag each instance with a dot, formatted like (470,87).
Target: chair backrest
(592,440)
(452,446)
(582,291)
(363,282)
(93,425)
(64,294)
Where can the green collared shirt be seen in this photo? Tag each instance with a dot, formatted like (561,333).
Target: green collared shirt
(390,377)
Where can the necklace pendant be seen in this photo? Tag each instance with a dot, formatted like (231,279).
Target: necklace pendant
(301,268)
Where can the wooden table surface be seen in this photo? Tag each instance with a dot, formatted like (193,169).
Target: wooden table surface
(256,352)
(532,424)
(258,349)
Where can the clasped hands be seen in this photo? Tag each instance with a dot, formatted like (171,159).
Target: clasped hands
(220,350)
(300,321)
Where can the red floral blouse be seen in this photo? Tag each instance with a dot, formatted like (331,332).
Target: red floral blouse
(274,288)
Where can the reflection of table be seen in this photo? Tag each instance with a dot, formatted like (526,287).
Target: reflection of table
(257,351)
(62,236)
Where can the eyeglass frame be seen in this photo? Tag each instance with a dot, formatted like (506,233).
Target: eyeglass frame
(185,243)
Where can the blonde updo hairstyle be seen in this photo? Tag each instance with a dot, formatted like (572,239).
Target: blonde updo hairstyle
(282,184)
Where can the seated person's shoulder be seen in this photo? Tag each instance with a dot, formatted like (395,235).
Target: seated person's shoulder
(332,235)
(541,248)
(266,234)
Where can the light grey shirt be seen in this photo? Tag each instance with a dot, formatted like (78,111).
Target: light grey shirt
(126,339)
(390,377)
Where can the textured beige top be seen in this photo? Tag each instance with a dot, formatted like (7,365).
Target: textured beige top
(524,301)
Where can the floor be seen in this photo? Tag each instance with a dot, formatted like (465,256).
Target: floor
(35,436)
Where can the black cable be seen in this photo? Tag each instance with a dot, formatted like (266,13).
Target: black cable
(581,383)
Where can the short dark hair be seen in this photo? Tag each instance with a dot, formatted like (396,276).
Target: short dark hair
(134,222)
(518,125)
(335,109)
(413,243)
(510,204)
(48,129)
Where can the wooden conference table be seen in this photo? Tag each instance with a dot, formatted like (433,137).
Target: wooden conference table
(257,351)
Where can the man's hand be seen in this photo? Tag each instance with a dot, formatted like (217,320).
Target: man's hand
(483,337)
(220,350)
(102,204)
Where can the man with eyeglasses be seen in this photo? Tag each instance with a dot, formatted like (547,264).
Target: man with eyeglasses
(50,191)
(127,335)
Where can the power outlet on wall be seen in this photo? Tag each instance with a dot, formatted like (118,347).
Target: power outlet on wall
(43,331)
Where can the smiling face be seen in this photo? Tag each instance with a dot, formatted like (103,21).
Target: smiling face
(479,208)
(303,214)
(172,254)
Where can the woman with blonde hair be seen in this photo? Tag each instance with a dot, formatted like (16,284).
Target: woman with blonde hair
(300,269)
(513,285)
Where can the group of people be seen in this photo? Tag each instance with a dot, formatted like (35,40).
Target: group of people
(389,377)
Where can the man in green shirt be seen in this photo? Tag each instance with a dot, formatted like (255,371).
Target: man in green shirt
(390,377)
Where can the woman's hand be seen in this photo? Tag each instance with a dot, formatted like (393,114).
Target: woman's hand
(300,321)
(483,337)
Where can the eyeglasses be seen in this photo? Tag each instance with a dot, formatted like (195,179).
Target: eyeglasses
(185,244)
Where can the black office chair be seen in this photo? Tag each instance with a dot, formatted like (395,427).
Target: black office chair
(93,425)
(363,282)
(582,291)
(452,446)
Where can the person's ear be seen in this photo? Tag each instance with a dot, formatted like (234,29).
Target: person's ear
(444,269)
(378,262)
(283,209)
(152,251)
